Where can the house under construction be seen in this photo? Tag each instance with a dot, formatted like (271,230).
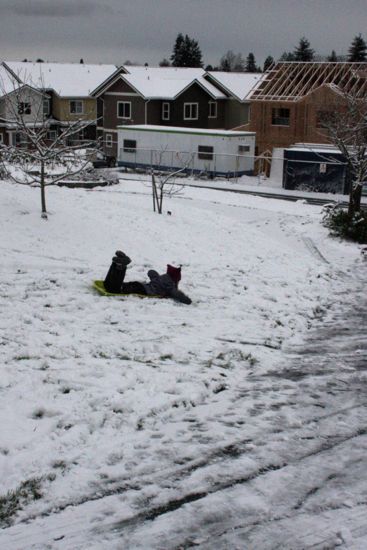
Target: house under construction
(293,98)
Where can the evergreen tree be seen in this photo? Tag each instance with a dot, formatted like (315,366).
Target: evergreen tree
(164,63)
(287,56)
(186,52)
(268,62)
(251,64)
(303,52)
(358,49)
(82,61)
(333,57)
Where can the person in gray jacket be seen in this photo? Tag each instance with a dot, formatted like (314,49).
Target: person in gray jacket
(165,285)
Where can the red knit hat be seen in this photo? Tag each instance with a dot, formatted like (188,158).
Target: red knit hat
(174,273)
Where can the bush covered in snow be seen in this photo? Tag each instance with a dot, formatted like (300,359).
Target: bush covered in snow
(342,224)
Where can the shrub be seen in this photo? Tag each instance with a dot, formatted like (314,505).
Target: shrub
(13,501)
(343,225)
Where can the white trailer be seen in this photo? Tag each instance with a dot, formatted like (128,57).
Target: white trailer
(214,152)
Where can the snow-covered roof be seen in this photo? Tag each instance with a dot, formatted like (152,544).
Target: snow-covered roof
(167,82)
(183,130)
(66,79)
(237,84)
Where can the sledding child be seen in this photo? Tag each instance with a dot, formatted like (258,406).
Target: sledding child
(165,285)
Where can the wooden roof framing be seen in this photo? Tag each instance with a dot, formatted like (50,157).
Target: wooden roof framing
(291,81)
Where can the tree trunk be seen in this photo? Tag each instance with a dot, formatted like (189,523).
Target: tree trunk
(355,199)
(43,191)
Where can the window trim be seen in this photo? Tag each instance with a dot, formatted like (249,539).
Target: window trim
(215,104)
(206,154)
(246,147)
(166,110)
(118,110)
(275,116)
(76,112)
(129,148)
(108,141)
(54,133)
(46,102)
(191,105)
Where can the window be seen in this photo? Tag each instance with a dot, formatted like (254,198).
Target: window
(24,108)
(205,152)
(51,135)
(129,145)
(46,107)
(166,108)
(191,111)
(280,117)
(108,140)
(242,149)
(76,107)
(213,109)
(124,109)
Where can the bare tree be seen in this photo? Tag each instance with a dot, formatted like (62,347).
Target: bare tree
(164,183)
(346,128)
(232,62)
(40,158)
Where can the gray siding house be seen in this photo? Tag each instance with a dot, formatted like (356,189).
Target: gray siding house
(159,96)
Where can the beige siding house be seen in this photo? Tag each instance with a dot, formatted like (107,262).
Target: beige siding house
(68,87)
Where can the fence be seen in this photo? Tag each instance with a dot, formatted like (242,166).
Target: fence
(306,170)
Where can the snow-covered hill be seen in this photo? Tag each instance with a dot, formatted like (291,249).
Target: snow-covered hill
(123,414)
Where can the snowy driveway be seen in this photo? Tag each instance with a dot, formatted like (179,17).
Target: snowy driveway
(238,422)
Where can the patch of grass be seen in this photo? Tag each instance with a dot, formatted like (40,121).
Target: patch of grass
(13,501)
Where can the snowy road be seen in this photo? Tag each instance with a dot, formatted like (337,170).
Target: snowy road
(242,426)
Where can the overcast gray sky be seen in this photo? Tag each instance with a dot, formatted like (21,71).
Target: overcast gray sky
(113,31)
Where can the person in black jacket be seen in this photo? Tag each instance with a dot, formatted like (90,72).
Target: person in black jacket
(165,285)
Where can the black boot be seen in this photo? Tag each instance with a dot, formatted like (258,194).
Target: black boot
(121,256)
(115,277)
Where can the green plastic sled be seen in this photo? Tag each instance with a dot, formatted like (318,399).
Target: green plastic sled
(99,286)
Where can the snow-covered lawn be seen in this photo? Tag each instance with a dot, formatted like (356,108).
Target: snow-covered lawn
(126,413)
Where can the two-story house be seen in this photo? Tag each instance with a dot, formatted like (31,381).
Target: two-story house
(292,100)
(238,88)
(68,87)
(166,96)
(18,103)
